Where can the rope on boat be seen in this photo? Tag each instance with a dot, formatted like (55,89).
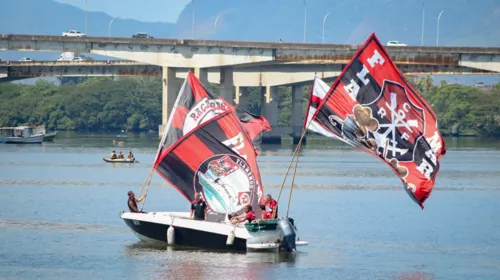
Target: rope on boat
(291,187)
(290,166)
(145,186)
(296,158)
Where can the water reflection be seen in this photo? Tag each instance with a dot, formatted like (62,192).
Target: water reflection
(414,276)
(192,263)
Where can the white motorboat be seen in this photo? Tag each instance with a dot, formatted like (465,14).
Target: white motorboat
(207,149)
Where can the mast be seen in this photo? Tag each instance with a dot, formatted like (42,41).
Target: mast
(147,182)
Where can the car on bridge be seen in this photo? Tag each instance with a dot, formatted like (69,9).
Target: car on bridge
(78,58)
(142,35)
(396,44)
(73,33)
(26,59)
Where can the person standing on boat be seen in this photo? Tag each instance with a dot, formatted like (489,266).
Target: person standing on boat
(132,202)
(113,155)
(270,208)
(248,215)
(198,208)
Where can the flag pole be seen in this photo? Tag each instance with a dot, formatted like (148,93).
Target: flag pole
(295,154)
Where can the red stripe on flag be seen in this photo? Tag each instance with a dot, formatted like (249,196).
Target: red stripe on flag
(197,89)
(309,103)
(179,117)
(231,126)
(340,102)
(186,152)
(315,100)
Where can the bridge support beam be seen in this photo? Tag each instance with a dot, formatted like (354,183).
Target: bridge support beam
(170,91)
(202,75)
(269,108)
(297,118)
(241,98)
(226,84)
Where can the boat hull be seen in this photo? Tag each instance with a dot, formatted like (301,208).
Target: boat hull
(50,136)
(35,139)
(193,236)
(119,160)
(153,227)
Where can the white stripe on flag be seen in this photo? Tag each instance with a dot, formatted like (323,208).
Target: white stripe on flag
(320,88)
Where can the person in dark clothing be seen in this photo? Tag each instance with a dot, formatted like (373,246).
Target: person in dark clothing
(132,202)
(198,208)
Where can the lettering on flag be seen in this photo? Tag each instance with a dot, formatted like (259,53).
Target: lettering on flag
(372,107)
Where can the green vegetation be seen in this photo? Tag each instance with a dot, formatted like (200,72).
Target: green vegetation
(463,110)
(95,104)
(111,104)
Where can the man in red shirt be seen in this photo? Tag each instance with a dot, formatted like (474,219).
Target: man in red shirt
(270,208)
(248,215)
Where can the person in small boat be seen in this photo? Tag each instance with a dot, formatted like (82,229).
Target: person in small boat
(113,155)
(248,215)
(270,208)
(121,155)
(130,155)
(132,202)
(198,208)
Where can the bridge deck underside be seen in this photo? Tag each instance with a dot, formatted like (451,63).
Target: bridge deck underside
(265,75)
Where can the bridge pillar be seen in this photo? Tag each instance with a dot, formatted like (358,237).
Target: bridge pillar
(170,90)
(241,98)
(202,75)
(297,118)
(226,84)
(270,112)
(270,106)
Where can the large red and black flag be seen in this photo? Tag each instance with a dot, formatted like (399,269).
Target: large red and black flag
(203,128)
(373,107)
(216,158)
(196,104)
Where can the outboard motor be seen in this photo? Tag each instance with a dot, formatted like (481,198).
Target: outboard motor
(285,226)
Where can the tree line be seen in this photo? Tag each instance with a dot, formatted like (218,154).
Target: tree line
(134,103)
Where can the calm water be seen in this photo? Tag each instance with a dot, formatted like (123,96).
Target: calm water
(60,205)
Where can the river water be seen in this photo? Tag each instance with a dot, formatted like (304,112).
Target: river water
(60,203)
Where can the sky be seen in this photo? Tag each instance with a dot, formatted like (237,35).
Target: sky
(466,24)
(142,10)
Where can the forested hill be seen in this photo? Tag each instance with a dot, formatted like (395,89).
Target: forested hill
(107,104)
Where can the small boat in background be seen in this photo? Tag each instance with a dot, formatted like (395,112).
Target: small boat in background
(21,135)
(119,160)
(48,136)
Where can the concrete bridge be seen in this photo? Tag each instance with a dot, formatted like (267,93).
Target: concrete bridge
(250,76)
(236,65)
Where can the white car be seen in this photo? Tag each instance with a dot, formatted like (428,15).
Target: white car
(78,59)
(396,43)
(25,59)
(73,33)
